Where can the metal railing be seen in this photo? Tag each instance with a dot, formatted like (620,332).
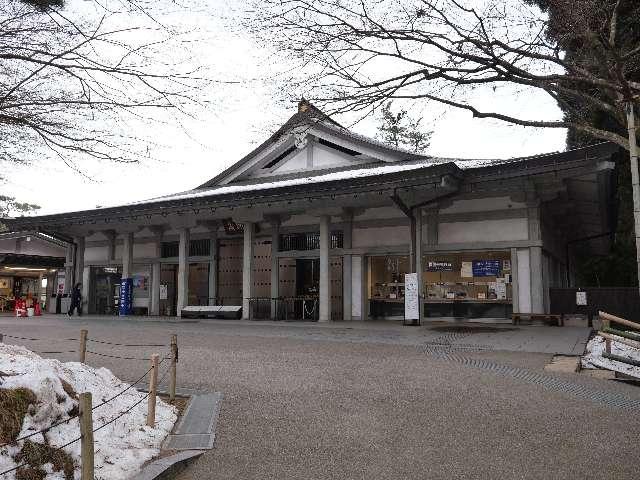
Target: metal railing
(304,308)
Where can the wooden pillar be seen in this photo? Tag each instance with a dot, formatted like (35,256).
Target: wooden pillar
(247,268)
(325,269)
(183,270)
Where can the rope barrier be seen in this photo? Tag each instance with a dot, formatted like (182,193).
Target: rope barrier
(45,430)
(127,344)
(116,356)
(121,414)
(43,339)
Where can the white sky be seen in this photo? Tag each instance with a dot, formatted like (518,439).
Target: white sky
(245,114)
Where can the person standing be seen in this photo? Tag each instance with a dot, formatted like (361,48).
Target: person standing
(76,300)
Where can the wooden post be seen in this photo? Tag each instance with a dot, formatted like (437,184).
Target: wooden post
(153,388)
(83,345)
(86,435)
(1,337)
(607,341)
(174,367)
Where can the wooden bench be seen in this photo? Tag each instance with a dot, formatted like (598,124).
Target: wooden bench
(545,318)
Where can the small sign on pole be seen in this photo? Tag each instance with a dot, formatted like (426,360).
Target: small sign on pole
(411,298)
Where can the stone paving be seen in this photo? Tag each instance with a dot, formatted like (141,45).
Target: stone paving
(373,400)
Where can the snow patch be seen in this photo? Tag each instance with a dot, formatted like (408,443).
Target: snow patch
(593,357)
(121,448)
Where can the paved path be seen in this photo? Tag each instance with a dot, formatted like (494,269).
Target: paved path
(374,401)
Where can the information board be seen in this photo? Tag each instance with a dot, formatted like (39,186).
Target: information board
(486,268)
(411,297)
(126,296)
(163,292)
(434,266)
(581,298)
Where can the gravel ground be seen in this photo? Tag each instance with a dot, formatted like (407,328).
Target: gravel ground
(314,407)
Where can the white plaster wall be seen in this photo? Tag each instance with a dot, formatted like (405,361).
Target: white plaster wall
(481,205)
(323,157)
(375,237)
(524,281)
(356,287)
(297,162)
(38,247)
(96,254)
(144,250)
(381,212)
(483,231)
(302,220)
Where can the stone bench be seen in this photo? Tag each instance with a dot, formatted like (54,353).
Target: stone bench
(544,318)
(212,311)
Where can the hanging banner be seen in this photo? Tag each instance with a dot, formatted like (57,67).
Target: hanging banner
(411,297)
(126,296)
(486,268)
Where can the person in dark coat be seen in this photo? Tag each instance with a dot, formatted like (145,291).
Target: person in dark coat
(76,300)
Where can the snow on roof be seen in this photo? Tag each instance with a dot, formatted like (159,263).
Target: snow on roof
(326,177)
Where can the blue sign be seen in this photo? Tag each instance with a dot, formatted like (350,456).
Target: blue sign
(126,296)
(486,268)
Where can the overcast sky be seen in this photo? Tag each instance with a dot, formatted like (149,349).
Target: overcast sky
(244,114)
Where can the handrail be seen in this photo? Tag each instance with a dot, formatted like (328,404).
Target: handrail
(612,318)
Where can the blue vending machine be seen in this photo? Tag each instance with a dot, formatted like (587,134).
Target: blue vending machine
(126,296)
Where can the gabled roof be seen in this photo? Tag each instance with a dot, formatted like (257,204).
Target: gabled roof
(307,114)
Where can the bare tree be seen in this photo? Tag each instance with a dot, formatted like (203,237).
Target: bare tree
(74,76)
(358,54)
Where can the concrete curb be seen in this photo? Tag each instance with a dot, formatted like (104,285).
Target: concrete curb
(193,434)
(167,467)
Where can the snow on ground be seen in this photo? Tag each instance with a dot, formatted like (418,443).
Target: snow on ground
(593,357)
(120,448)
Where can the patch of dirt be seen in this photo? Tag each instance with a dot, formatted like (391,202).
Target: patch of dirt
(179,402)
(14,405)
(36,455)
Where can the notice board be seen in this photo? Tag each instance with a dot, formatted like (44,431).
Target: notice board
(411,297)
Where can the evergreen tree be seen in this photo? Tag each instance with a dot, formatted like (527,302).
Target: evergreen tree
(401,131)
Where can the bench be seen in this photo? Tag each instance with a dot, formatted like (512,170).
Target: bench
(233,312)
(544,318)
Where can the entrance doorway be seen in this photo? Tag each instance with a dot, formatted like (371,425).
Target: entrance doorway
(168,284)
(105,296)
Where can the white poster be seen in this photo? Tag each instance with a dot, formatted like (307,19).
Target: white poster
(581,298)
(501,290)
(163,292)
(411,297)
(467,269)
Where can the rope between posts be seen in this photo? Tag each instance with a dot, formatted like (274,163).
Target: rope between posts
(116,356)
(126,344)
(45,430)
(43,339)
(121,414)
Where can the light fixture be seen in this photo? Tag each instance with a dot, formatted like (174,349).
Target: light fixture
(27,269)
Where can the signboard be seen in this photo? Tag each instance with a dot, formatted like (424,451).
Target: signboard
(411,297)
(163,292)
(439,267)
(486,268)
(466,270)
(126,296)
(60,285)
(232,228)
(581,298)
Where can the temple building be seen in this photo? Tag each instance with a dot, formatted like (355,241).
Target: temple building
(320,223)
